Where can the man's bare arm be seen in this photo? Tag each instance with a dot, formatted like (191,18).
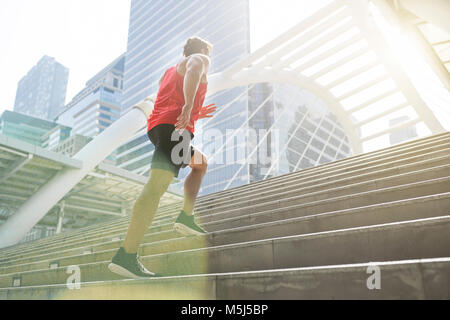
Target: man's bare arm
(195,69)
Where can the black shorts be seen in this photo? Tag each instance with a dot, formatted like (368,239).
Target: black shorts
(170,155)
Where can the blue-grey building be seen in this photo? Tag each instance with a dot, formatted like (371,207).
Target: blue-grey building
(307,132)
(98,105)
(259,117)
(36,131)
(42,92)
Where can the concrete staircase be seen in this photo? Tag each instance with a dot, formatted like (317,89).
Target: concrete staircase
(328,232)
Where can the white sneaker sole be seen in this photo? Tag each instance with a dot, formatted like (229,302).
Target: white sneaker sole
(181,228)
(121,271)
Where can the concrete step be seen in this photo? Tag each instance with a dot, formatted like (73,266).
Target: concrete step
(441,156)
(417,239)
(409,145)
(361,194)
(239,231)
(340,185)
(161,213)
(81,233)
(314,202)
(330,203)
(386,162)
(298,188)
(410,279)
(365,157)
(75,233)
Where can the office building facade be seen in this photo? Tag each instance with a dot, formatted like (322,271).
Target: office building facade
(97,106)
(39,132)
(71,145)
(42,92)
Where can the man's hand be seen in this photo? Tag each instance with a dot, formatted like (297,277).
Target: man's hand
(206,111)
(184,119)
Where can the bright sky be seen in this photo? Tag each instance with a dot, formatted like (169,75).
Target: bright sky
(86,35)
(83,35)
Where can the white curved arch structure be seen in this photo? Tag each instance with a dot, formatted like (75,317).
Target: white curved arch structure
(337,35)
(283,60)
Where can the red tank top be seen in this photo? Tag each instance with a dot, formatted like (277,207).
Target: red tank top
(170,101)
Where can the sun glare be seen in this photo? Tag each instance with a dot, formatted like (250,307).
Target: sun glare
(429,86)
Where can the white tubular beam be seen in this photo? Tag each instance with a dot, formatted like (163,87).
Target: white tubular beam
(352,74)
(225,107)
(315,44)
(37,206)
(304,38)
(16,166)
(60,218)
(258,145)
(277,160)
(401,126)
(238,130)
(363,87)
(288,35)
(433,11)
(250,155)
(382,114)
(328,53)
(373,100)
(309,143)
(339,63)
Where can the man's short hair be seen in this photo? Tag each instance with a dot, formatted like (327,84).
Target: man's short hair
(195,45)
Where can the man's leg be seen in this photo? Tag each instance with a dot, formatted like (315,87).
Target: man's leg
(193,181)
(185,223)
(145,208)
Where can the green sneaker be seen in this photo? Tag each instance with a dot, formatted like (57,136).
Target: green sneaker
(186,225)
(128,265)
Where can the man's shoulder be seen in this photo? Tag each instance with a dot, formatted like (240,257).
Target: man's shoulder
(198,56)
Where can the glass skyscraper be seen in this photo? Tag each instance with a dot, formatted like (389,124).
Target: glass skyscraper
(308,133)
(159,29)
(39,132)
(42,92)
(157,33)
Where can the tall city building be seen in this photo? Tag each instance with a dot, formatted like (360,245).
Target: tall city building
(401,135)
(307,132)
(288,129)
(157,33)
(42,92)
(98,105)
(72,145)
(250,121)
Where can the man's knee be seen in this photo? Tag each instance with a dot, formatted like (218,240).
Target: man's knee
(200,164)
